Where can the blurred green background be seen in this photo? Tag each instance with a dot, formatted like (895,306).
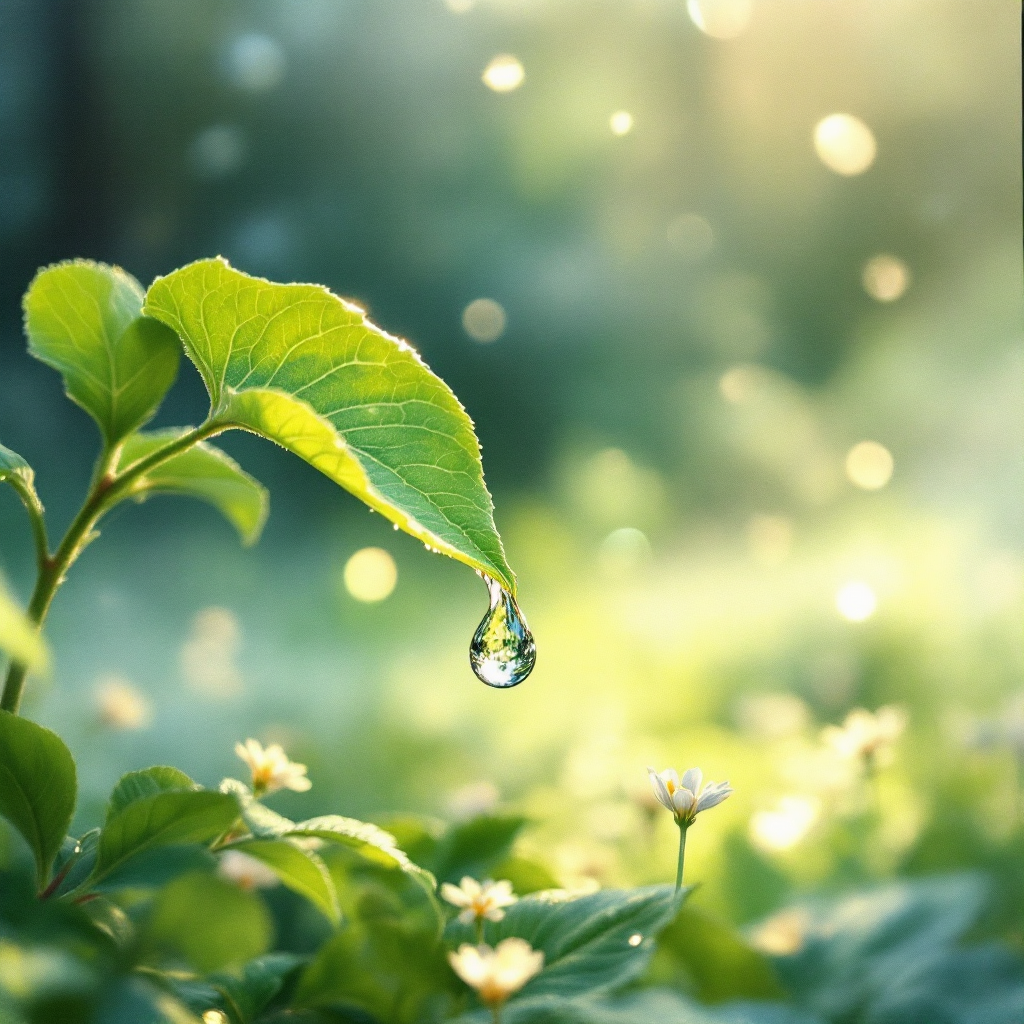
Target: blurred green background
(704,300)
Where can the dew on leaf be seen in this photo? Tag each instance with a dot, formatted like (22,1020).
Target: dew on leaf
(502,652)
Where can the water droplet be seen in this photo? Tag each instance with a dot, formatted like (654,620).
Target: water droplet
(502,652)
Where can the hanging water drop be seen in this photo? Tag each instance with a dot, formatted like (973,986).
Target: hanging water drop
(502,652)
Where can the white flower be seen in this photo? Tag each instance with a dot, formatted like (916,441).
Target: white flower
(479,901)
(864,735)
(497,973)
(121,706)
(684,797)
(271,769)
(245,871)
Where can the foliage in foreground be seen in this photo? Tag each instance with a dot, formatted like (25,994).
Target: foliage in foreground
(189,904)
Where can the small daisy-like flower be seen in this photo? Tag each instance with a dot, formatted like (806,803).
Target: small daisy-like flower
(271,769)
(245,871)
(683,797)
(497,973)
(867,737)
(479,901)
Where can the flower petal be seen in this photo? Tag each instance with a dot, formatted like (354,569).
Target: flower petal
(660,790)
(454,895)
(714,793)
(682,801)
(691,780)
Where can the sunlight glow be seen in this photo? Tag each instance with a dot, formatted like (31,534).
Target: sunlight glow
(621,122)
(845,144)
(484,320)
(370,575)
(856,601)
(869,465)
(504,73)
(770,539)
(885,277)
(721,19)
(784,827)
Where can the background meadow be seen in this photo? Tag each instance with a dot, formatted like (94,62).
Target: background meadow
(700,302)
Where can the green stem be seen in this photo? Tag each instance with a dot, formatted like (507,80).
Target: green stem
(106,491)
(36,516)
(479,931)
(682,852)
(496,1012)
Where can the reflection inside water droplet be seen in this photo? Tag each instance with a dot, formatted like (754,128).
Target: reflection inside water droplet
(502,652)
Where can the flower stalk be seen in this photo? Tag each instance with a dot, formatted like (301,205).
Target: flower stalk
(682,854)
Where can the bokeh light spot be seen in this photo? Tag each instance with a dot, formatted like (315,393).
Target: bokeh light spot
(623,551)
(739,383)
(783,828)
(504,73)
(869,465)
(255,62)
(885,277)
(691,235)
(856,601)
(721,19)
(370,575)
(845,144)
(484,320)
(635,939)
(218,151)
(621,122)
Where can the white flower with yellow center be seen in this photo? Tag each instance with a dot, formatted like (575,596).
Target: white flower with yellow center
(271,769)
(478,901)
(683,797)
(497,973)
(245,871)
(867,737)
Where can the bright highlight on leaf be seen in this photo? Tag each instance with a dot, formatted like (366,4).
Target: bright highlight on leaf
(302,367)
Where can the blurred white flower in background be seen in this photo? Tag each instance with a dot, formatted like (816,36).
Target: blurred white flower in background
(120,705)
(683,797)
(208,655)
(271,770)
(472,799)
(885,277)
(479,900)
(867,737)
(497,973)
(245,871)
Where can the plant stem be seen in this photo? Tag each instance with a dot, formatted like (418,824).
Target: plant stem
(106,491)
(496,1012)
(682,851)
(479,931)
(35,510)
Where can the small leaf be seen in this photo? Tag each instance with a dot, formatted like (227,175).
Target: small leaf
(163,819)
(147,782)
(14,470)
(19,639)
(210,922)
(85,320)
(203,472)
(301,367)
(300,870)
(38,787)
(593,944)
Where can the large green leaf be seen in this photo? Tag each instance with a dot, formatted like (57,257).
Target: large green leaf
(474,847)
(301,870)
(38,787)
(592,945)
(210,922)
(19,639)
(302,367)
(164,819)
(203,472)
(84,319)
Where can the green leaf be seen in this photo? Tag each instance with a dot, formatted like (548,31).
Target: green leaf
(204,472)
(163,819)
(586,941)
(147,782)
(302,367)
(132,999)
(210,922)
(476,846)
(300,870)
(85,320)
(14,470)
(247,991)
(19,639)
(706,958)
(38,787)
